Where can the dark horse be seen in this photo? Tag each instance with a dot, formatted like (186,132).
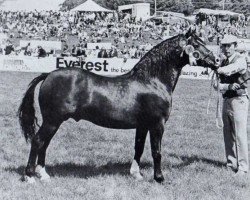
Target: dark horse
(140,99)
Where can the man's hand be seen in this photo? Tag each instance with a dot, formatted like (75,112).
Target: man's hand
(220,71)
(234,86)
(215,85)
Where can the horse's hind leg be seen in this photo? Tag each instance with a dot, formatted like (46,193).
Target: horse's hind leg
(155,140)
(140,137)
(50,132)
(39,145)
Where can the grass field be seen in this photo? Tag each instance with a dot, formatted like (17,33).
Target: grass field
(91,162)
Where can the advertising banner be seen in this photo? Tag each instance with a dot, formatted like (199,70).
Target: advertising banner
(27,64)
(196,72)
(101,66)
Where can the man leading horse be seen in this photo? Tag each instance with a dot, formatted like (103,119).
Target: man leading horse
(233,86)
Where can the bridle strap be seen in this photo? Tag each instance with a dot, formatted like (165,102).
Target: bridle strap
(210,53)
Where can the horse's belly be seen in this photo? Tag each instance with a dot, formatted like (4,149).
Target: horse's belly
(114,124)
(116,119)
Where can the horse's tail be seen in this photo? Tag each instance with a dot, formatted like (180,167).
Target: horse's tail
(26,111)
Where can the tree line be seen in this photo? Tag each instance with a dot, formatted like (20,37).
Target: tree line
(183,6)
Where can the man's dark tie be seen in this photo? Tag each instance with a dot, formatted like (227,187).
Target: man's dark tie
(226,62)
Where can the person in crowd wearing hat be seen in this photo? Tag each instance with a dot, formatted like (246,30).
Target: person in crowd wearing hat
(233,85)
(41,53)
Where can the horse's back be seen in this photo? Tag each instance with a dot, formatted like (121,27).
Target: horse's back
(78,94)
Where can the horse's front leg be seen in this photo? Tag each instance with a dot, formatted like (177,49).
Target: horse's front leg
(140,137)
(155,140)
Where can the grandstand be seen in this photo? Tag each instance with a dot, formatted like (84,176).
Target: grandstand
(78,27)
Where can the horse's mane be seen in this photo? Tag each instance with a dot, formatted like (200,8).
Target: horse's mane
(159,60)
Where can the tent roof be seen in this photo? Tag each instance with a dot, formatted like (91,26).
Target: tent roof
(216,12)
(30,5)
(90,6)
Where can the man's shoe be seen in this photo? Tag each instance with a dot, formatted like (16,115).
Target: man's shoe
(241,174)
(231,168)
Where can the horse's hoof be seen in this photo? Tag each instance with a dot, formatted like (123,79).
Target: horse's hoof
(159,178)
(28,179)
(46,180)
(135,171)
(42,174)
(137,176)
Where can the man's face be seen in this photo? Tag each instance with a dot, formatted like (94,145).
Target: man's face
(228,49)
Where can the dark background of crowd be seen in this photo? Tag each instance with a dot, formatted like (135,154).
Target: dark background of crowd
(129,38)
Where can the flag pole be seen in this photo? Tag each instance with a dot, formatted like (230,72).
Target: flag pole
(155,7)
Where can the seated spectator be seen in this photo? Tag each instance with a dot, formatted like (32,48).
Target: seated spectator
(27,50)
(132,51)
(9,48)
(102,53)
(244,33)
(148,46)
(113,52)
(80,50)
(138,52)
(73,50)
(40,53)
(93,53)
(122,39)
(125,52)
(65,51)
(1,50)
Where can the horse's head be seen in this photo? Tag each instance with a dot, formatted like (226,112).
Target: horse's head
(198,53)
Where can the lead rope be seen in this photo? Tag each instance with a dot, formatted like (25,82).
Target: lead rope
(210,93)
(219,122)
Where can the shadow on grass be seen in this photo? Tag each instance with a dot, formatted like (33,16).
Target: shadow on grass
(83,171)
(187,160)
(86,171)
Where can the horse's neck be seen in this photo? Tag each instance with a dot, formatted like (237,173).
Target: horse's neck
(164,62)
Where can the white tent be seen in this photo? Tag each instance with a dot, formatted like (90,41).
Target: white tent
(30,5)
(216,12)
(90,6)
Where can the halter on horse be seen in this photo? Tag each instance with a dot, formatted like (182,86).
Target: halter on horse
(140,99)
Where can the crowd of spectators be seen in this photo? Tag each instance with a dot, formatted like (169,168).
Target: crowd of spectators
(129,38)
(210,30)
